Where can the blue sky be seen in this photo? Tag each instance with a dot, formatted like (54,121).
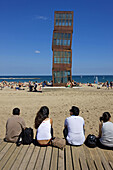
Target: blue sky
(26,28)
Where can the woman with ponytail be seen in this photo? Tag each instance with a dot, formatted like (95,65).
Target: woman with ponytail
(106,131)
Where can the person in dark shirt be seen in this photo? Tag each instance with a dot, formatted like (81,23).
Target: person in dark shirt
(111,84)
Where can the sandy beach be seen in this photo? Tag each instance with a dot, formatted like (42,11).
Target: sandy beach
(91,101)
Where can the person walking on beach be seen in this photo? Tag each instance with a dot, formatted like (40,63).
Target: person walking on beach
(43,124)
(111,84)
(74,128)
(107,85)
(35,86)
(14,126)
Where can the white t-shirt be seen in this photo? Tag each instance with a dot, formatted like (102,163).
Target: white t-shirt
(107,134)
(44,130)
(75,126)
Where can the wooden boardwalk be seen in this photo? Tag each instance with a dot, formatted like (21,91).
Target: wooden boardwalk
(30,157)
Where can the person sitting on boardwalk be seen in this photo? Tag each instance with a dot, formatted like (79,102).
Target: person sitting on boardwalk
(14,126)
(43,124)
(74,128)
(105,131)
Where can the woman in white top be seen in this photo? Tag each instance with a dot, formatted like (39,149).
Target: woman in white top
(43,124)
(105,131)
(74,128)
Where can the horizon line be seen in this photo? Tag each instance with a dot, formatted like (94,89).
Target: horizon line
(51,75)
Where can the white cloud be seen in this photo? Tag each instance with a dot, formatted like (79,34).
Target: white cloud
(37,52)
(41,17)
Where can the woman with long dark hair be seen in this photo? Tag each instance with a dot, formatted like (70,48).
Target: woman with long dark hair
(106,131)
(43,124)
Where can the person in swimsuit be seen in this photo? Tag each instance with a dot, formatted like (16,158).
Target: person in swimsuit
(43,124)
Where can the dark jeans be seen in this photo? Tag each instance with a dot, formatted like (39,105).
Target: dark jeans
(35,89)
(30,88)
(65,132)
(52,132)
(100,145)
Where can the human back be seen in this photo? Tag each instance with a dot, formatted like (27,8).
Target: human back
(107,134)
(43,131)
(43,124)
(75,130)
(106,130)
(74,125)
(14,126)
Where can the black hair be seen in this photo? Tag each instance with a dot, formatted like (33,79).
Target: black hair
(42,114)
(75,110)
(16,111)
(105,117)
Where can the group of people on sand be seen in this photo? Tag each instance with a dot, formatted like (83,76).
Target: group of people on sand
(47,84)
(74,128)
(13,85)
(35,87)
(109,84)
(72,84)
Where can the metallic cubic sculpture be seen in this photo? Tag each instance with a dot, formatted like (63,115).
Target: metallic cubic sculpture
(61,46)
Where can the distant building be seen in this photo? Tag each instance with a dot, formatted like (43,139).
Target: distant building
(61,46)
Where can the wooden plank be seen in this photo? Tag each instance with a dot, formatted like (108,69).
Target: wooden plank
(40,161)
(33,159)
(89,159)
(12,159)
(54,159)
(96,158)
(1,140)
(82,158)
(109,157)
(20,157)
(111,164)
(47,158)
(68,158)
(2,145)
(103,159)
(4,150)
(7,156)
(75,157)
(26,158)
(60,159)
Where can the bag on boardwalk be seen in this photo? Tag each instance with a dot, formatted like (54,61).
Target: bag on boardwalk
(58,142)
(91,141)
(26,137)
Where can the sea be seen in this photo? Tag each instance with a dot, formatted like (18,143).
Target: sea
(38,78)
